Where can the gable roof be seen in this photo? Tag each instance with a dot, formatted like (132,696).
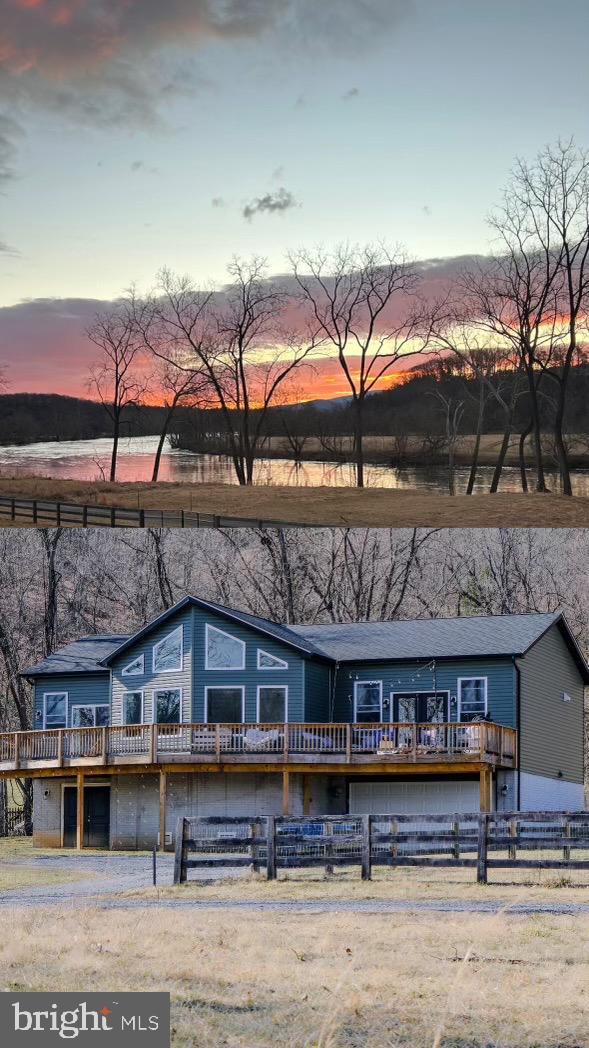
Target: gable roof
(409,639)
(270,629)
(81,656)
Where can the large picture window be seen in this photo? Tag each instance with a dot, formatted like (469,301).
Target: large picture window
(368,701)
(272,704)
(55,709)
(133,707)
(472,697)
(167,706)
(83,716)
(223,651)
(224,705)
(167,653)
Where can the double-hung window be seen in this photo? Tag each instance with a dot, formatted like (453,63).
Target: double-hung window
(55,709)
(368,701)
(472,697)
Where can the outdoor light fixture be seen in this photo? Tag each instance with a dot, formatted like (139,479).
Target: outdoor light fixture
(45,793)
(504,790)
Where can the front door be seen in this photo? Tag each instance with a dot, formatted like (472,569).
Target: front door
(96,816)
(423,707)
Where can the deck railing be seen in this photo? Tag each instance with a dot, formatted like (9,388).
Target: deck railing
(352,743)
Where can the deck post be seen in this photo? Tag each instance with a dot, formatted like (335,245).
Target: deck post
(366,848)
(286,793)
(103,746)
(16,751)
(60,748)
(153,745)
(348,743)
(163,793)
(80,811)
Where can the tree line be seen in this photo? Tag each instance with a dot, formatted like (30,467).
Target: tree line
(513,324)
(58,585)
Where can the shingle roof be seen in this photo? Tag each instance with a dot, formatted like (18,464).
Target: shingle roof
(429,638)
(271,629)
(81,656)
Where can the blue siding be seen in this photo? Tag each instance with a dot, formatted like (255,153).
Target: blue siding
(91,688)
(501,687)
(251,676)
(318,686)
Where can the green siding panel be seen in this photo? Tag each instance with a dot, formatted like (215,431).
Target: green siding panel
(551,736)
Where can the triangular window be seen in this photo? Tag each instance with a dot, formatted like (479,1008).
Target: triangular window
(134,668)
(266,661)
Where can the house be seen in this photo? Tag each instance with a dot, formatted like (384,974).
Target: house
(211,711)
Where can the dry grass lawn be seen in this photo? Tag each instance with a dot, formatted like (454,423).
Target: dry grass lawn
(22,876)
(255,980)
(334,507)
(404,884)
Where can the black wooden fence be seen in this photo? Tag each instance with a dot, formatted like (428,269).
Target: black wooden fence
(482,840)
(12,822)
(69,514)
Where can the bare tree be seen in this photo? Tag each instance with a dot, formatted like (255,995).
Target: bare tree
(118,376)
(553,194)
(361,303)
(242,346)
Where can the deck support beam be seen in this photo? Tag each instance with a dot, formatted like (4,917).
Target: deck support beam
(485,788)
(286,793)
(80,811)
(163,798)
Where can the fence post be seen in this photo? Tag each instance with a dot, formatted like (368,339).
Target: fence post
(84,516)
(512,850)
(58,513)
(179,853)
(566,851)
(456,844)
(366,848)
(328,847)
(394,845)
(113,517)
(482,848)
(34,511)
(141,518)
(255,846)
(271,847)
(13,509)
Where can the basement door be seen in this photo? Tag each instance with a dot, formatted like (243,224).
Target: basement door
(96,816)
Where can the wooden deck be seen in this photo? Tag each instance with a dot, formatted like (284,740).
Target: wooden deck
(314,747)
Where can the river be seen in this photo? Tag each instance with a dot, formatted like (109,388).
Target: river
(90,460)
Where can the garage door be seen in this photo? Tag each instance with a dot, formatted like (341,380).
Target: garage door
(431,798)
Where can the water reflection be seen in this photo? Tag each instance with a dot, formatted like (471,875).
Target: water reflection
(90,460)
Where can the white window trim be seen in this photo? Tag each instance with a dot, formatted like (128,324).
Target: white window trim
(136,691)
(223,669)
(126,672)
(49,694)
(264,669)
(154,693)
(88,705)
(423,691)
(356,683)
(175,669)
(460,682)
(273,685)
(235,687)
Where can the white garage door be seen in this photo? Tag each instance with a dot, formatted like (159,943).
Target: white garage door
(413,798)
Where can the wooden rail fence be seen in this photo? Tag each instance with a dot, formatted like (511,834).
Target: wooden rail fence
(46,513)
(480,840)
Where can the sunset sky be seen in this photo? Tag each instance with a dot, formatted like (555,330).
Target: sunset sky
(136,134)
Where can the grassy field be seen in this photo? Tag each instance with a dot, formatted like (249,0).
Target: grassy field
(334,507)
(405,884)
(344,980)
